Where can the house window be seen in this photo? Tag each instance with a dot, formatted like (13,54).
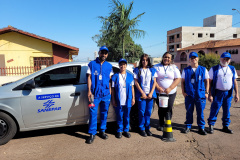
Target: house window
(171,39)
(211,35)
(234,35)
(177,45)
(171,48)
(177,35)
(233,51)
(193,34)
(183,57)
(216,52)
(226,50)
(206,34)
(42,61)
(200,35)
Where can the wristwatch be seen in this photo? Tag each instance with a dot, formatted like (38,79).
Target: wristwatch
(206,92)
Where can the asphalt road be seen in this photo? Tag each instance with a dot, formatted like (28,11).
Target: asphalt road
(69,142)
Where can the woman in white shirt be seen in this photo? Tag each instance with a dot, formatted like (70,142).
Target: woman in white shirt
(168,77)
(145,80)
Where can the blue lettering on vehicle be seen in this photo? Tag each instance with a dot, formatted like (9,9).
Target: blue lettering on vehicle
(48,96)
(49,107)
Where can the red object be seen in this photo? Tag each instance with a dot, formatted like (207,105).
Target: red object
(10,60)
(91,105)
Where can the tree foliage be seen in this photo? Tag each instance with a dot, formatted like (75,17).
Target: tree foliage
(118,31)
(209,60)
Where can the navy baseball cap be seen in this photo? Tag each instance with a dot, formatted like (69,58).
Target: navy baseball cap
(103,48)
(122,60)
(193,54)
(226,55)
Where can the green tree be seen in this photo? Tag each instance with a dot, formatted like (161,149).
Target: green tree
(209,60)
(118,28)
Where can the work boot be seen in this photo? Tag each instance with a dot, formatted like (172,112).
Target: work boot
(227,130)
(149,133)
(90,139)
(103,135)
(186,130)
(143,133)
(119,135)
(127,134)
(210,130)
(202,132)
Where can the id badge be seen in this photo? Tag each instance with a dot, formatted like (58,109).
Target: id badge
(166,76)
(192,80)
(224,80)
(100,77)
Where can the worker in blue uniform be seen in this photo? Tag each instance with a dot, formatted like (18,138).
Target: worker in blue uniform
(145,82)
(222,83)
(98,81)
(195,85)
(123,98)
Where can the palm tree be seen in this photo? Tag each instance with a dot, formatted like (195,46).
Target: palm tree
(118,26)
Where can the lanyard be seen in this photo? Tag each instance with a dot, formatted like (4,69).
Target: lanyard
(124,77)
(192,74)
(224,72)
(165,69)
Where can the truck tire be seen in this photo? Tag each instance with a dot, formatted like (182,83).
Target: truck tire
(8,128)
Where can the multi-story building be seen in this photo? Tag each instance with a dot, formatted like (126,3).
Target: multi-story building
(217,27)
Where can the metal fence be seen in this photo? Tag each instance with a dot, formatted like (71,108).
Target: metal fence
(18,70)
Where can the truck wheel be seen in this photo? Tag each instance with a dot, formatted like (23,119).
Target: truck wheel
(8,128)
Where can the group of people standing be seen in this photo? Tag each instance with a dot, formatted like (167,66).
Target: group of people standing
(152,82)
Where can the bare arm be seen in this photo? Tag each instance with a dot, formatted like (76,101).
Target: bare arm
(153,88)
(236,99)
(183,87)
(89,84)
(173,85)
(133,96)
(210,98)
(140,89)
(206,87)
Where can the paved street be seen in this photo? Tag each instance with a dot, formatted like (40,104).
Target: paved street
(69,142)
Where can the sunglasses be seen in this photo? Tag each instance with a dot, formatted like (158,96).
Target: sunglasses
(104,52)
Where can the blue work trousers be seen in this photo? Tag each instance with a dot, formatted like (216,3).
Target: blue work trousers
(222,98)
(104,103)
(123,120)
(144,112)
(200,106)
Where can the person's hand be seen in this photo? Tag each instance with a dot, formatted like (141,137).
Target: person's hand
(185,94)
(149,96)
(236,98)
(167,91)
(89,96)
(160,89)
(210,98)
(144,96)
(133,101)
(206,95)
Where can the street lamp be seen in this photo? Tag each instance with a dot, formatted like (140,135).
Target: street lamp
(236,10)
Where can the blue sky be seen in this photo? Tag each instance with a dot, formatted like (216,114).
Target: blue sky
(74,22)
